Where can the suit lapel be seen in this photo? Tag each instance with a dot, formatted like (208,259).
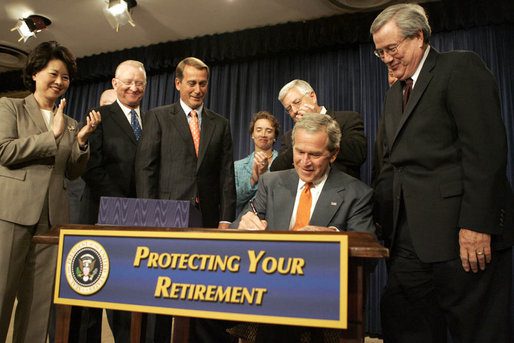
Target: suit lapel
(283,199)
(393,109)
(206,132)
(35,113)
(329,202)
(179,120)
(419,88)
(120,119)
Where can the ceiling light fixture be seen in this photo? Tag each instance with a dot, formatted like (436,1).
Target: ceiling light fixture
(118,13)
(27,27)
(361,5)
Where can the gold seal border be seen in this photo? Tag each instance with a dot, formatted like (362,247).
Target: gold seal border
(102,278)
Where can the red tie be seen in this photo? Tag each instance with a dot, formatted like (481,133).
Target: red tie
(406,92)
(195,129)
(303,213)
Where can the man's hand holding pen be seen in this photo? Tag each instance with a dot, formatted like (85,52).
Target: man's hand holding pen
(251,220)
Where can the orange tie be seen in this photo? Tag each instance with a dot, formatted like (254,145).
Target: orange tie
(195,129)
(303,213)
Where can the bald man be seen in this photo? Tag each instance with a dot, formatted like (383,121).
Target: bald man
(110,170)
(108,97)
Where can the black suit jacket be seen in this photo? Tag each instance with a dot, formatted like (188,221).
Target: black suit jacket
(446,156)
(167,166)
(352,153)
(110,170)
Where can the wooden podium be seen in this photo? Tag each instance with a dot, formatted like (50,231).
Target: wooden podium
(363,250)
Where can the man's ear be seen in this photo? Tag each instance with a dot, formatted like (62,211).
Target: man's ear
(313,96)
(334,155)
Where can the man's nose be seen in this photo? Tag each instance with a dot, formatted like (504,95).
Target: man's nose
(387,58)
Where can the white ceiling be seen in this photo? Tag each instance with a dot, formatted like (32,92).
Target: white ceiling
(81,26)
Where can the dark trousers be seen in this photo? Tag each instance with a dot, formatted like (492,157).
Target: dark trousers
(119,321)
(295,334)
(210,331)
(162,329)
(422,301)
(85,325)
(200,330)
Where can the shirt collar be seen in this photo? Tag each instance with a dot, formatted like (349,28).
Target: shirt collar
(320,181)
(188,109)
(418,70)
(126,109)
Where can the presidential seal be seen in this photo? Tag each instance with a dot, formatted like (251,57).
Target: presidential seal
(87,267)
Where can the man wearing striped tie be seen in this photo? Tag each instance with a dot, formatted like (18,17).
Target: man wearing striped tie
(186,154)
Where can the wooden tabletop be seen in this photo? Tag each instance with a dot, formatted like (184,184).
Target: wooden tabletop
(361,244)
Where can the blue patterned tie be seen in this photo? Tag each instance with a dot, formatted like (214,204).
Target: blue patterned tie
(135,125)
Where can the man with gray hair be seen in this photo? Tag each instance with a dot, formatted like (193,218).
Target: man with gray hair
(337,201)
(444,153)
(110,170)
(311,197)
(299,98)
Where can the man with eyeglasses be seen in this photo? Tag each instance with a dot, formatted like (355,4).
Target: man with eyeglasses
(110,170)
(444,152)
(298,98)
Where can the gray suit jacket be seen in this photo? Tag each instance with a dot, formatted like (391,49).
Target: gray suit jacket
(33,163)
(344,202)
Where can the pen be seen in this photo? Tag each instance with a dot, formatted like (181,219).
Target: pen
(252,206)
(261,215)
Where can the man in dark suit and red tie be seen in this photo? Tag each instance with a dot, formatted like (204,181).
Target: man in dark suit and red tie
(444,152)
(110,170)
(186,154)
(299,98)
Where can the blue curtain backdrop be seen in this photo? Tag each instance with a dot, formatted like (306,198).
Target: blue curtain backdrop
(346,78)
(334,55)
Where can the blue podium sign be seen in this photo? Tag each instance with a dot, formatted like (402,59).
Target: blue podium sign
(280,278)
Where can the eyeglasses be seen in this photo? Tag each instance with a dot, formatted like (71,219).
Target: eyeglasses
(391,50)
(296,103)
(138,84)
